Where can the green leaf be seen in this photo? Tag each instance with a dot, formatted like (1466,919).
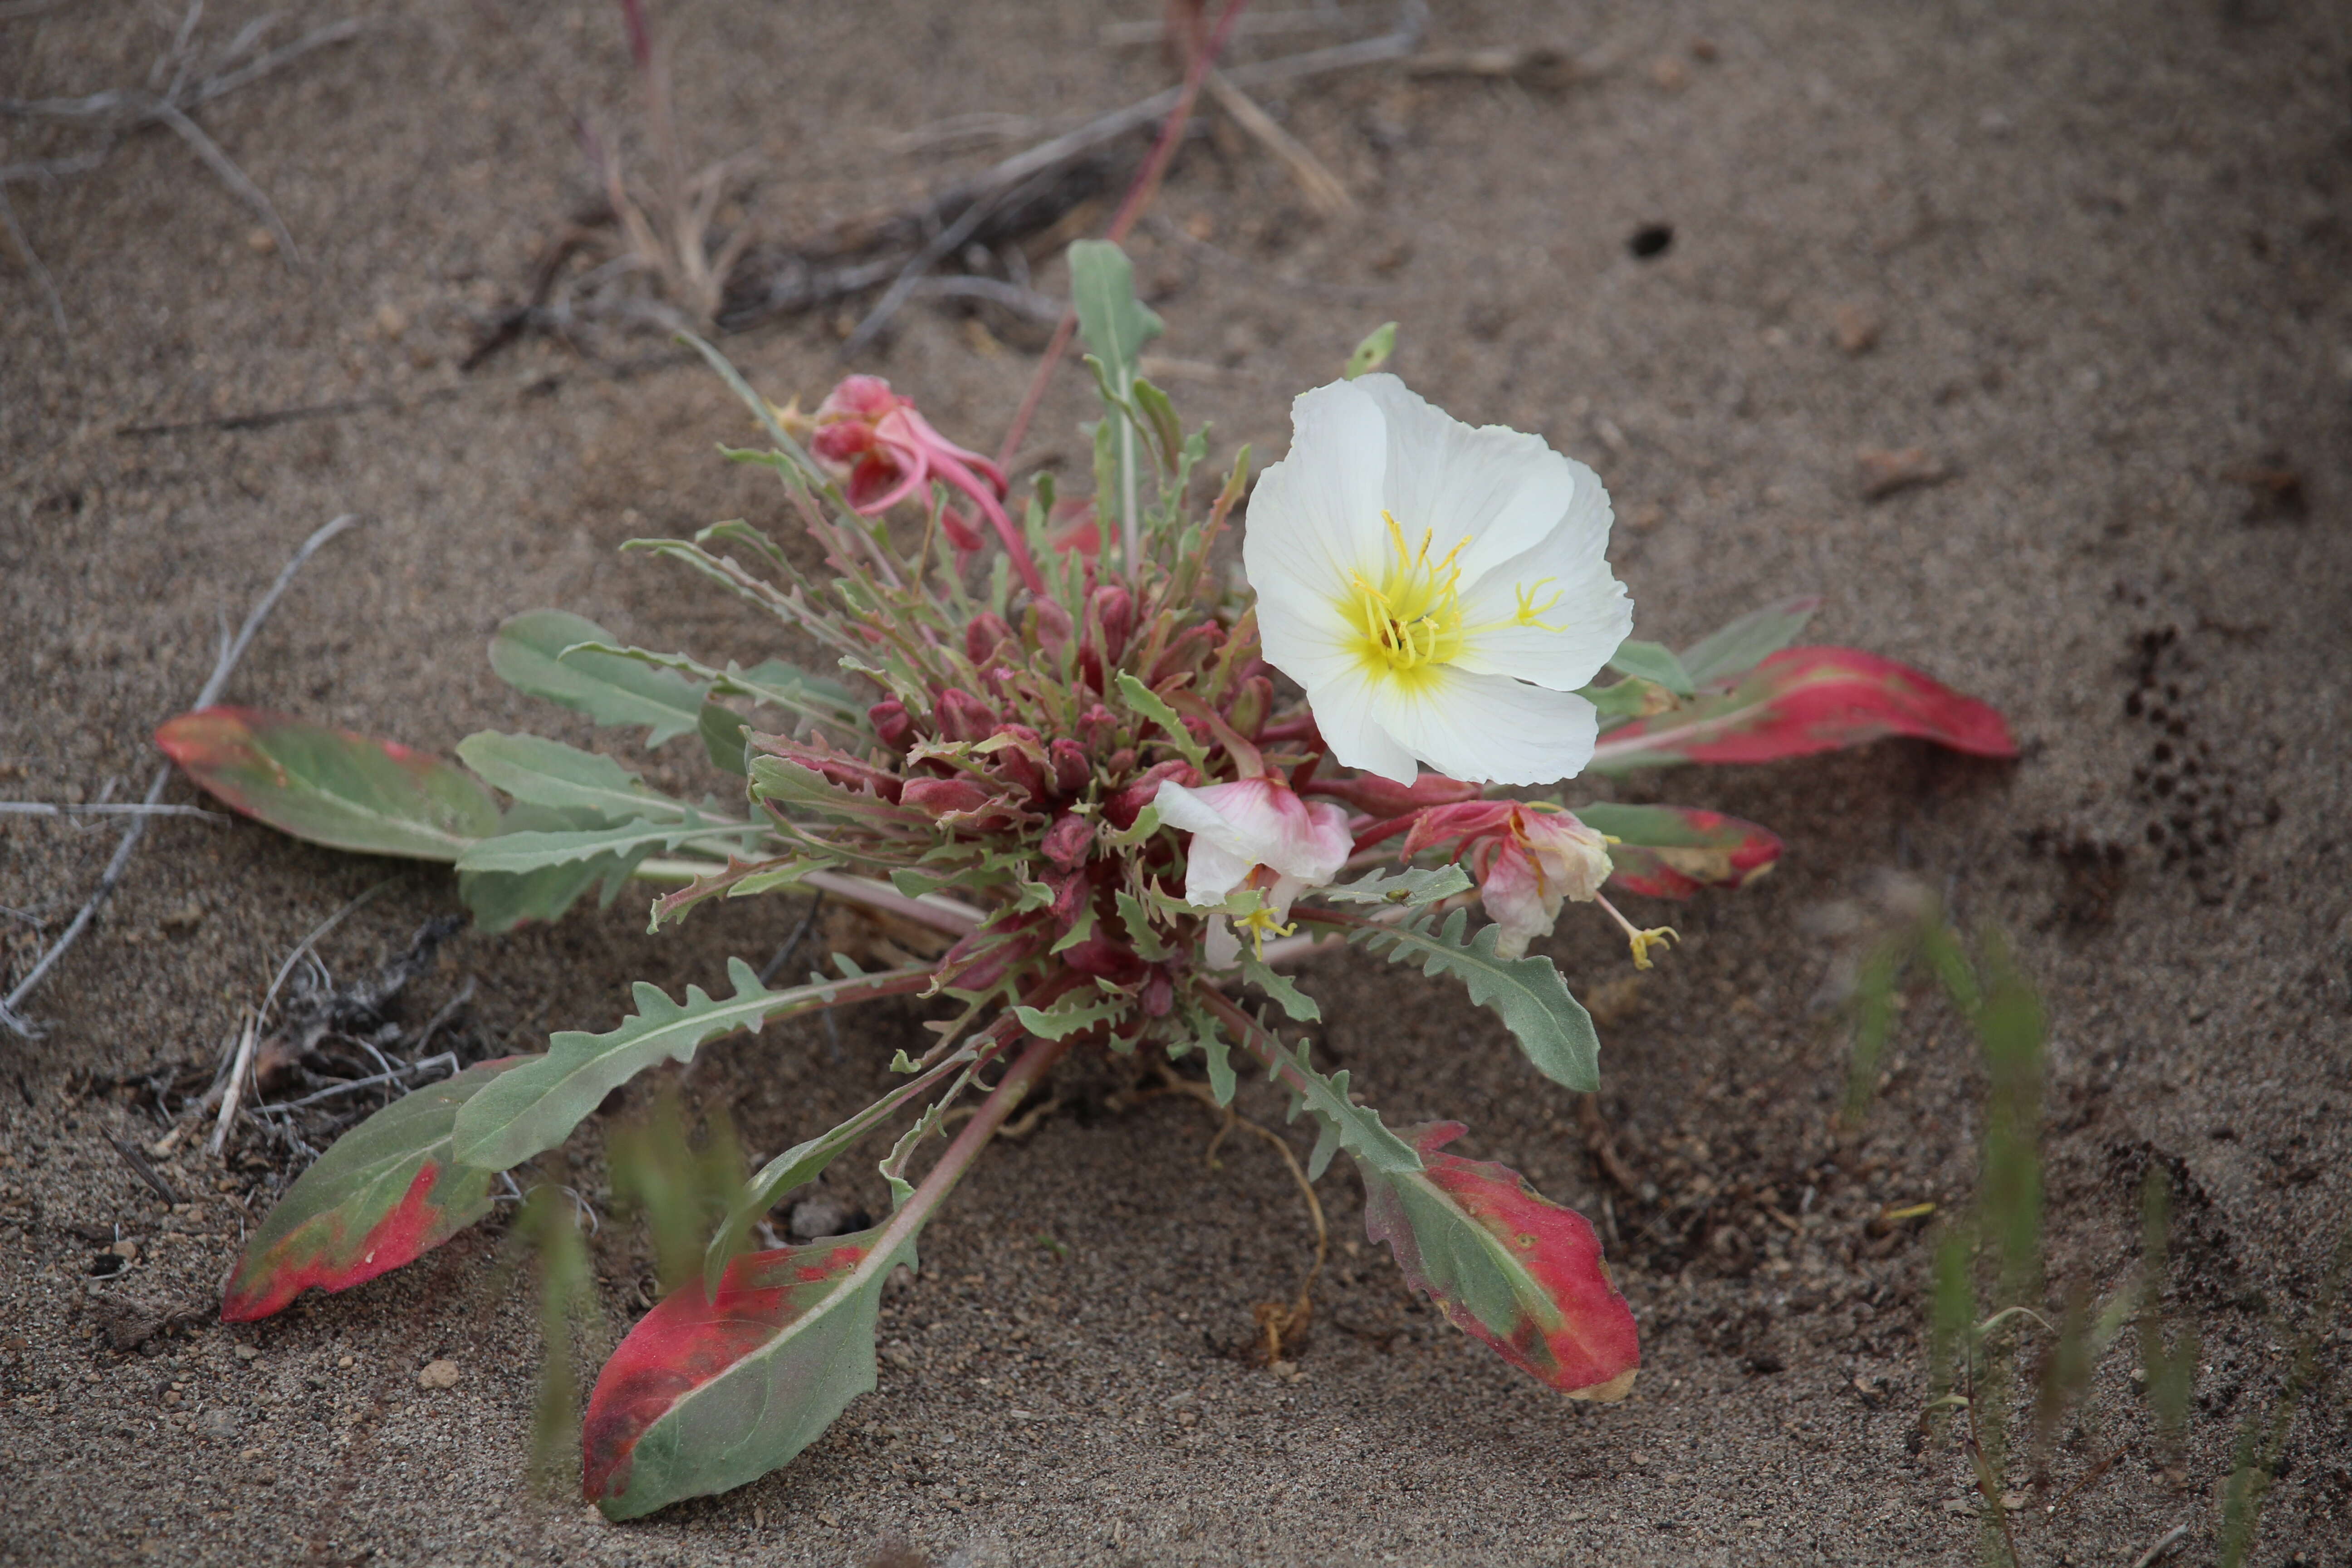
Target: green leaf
(1414,887)
(383,1194)
(1552,1027)
(535,1109)
(1373,353)
(1216,1051)
(536,851)
(1137,921)
(1628,699)
(1300,1005)
(500,901)
(332,786)
(1159,418)
(1070,1015)
(1114,324)
(713,1390)
(722,737)
(1747,642)
(772,682)
(1150,704)
(1504,1264)
(1653,662)
(549,773)
(528,655)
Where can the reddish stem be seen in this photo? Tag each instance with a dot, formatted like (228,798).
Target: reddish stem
(1139,196)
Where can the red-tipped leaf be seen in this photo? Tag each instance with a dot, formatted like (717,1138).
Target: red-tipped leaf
(1507,1266)
(332,786)
(1670,851)
(387,1192)
(1806,700)
(708,1392)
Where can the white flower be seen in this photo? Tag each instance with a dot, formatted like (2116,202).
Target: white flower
(1254,832)
(1440,591)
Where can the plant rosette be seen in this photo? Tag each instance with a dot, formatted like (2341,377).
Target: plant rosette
(1123,788)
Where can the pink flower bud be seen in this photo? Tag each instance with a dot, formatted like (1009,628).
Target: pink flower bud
(985,635)
(1053,625)
(1125,805)
(892,724)
(963,717)
(1069,841)
(1071,768)
(1114,609)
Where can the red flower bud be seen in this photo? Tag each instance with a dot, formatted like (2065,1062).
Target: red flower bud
(1070,766)
(1124,807)
(963,717)
(945,797)
(893,724)
(1377,796)
(1069,841)
(1114,609)
(1053,625)
(985,635)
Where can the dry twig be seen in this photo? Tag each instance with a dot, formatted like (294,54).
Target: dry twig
(11,1015)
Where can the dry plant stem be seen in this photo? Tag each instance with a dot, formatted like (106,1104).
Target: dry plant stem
(1027,1070)
(2164,1543)
(1139,196)
(10,1013)
(43,808)
(1326,193)
(242,1068)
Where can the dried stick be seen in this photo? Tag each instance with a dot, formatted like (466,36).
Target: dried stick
(242,1068)
(10,1015)
(1324,190)
(1139,195)
(44,808)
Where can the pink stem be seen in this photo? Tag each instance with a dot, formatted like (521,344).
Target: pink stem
(969,483)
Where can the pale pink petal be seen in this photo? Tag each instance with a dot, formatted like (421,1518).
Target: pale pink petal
(1517,902)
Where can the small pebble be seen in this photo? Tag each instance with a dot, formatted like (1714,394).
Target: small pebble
(246,1352)
(344,1363)
(439,1375)
(261,242)
(1856,327)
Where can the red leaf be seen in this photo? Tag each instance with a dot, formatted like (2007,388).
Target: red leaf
(332,786)
(1671,852)
(386,1193)
(1543,1302)
(690,1342)
(1806,700)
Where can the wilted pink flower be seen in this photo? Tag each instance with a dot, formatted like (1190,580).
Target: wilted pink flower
(1530,860)
(884,452)
(1255,833)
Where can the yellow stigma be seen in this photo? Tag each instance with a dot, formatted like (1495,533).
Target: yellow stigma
(1409,621)
(1412,618)
(1262,924)
(1642,941)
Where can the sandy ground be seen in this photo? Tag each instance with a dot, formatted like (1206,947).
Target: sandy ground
(2103,249)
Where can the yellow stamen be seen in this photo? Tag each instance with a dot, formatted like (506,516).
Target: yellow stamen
(1262,924)
(1411,619)
(1639,939)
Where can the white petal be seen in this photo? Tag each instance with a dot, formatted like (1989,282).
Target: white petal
(1346,704)
(1485,727)
(1499,488)
(1315,517)
(1593,612)
(1212,871)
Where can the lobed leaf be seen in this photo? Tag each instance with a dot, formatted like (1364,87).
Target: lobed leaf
(1671,852)
(529,653)
(1806,700)
(1507,1266)
(537,850)
(500,901)
(1552,1027)
(549,773)
(1069,1017)
(536,1109)
(714,1389)
(330,786)
(1414,886)
(385,1192)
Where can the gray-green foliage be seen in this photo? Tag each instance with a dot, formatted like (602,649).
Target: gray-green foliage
(530,654)
(1552,1027)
